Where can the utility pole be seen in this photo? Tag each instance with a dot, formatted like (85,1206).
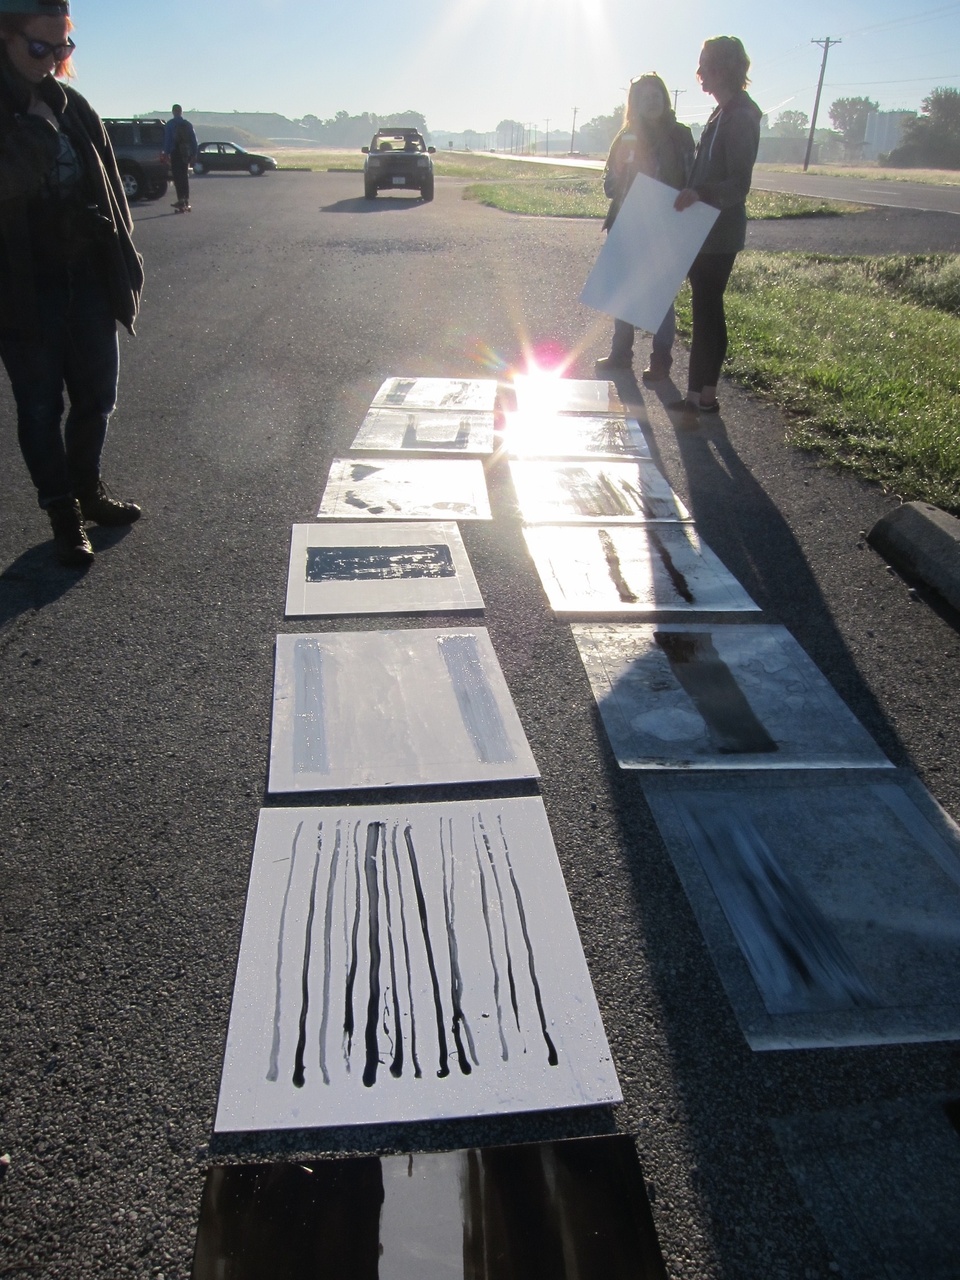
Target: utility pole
(676,94)
(825,45)
(547,137)
(573,131)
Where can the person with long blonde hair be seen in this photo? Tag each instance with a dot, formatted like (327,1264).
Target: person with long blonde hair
(68,273)
(651,142)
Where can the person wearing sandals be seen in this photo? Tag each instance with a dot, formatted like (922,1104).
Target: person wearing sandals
(722,173)
(651,142)
(68,272)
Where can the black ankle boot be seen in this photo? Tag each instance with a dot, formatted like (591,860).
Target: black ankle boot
(97,505)
(71,544)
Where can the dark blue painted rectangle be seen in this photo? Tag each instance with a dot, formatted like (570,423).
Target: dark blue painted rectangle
(379,564)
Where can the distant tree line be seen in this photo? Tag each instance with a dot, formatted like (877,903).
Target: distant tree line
(345,130)
(932,139)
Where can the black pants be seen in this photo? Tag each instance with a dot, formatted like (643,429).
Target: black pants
(708,279)
(181,177)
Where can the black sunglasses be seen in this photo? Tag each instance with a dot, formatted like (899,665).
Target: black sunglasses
(44,49)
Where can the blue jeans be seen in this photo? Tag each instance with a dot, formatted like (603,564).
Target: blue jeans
(77,348)
(622,344)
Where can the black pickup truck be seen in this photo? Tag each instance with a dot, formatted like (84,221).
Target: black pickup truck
(398,160)
(138,144)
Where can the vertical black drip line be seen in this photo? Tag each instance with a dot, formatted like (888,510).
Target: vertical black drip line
(551,1047)
(299,1076)
(328,953)
(417,1073)
(444,1068)
(273,1069)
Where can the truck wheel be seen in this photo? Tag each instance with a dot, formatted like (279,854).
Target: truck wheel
(133,182)
(370,190)
(426,191)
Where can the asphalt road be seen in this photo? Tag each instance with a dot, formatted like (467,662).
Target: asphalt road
(136,706)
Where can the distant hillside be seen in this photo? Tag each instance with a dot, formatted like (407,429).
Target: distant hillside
(260,128)
(245,128)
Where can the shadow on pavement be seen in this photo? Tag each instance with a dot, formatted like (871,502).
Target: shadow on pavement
(35,579)
(381,205)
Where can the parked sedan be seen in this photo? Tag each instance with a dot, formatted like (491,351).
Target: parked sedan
(227,156)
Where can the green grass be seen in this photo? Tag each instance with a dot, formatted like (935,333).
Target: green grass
(581,196)
(875,173)
(862,353)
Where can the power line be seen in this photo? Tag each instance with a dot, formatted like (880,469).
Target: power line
(912,19)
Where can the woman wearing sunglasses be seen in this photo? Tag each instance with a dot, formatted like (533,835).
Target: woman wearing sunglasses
(68,272)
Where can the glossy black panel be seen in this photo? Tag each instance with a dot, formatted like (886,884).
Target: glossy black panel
(378,564)
(574,1210)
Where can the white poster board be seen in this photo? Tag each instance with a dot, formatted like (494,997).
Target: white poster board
(409,963)
(647,253)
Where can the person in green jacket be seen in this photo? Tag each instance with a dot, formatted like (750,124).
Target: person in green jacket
(651,142)
(68,272)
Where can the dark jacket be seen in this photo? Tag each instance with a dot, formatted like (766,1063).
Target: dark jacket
(664,153)
(723,170)
(28,154)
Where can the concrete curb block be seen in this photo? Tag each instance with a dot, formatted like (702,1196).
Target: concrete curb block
(923,542)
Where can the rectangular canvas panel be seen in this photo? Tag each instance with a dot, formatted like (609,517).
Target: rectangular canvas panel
(832,912)
(568,435)
(404,963)
(594,492)
(569,1210)
(405,489)
(379,568)
(646,255)
(539,394)
(882,1181)
(632,569)
(426,431)
(392,709)
(476,395)
(693,696)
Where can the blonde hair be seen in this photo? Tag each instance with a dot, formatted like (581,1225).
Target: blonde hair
(630,110)
(727,55)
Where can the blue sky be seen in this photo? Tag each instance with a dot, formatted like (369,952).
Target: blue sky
(471,63)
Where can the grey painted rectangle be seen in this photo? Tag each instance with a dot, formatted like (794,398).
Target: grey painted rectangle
(391,709)
(443,431)
(693,696)
(540,394)
(632,569)
(831,910)
(398,488)
(379,567)
(567,435)
(449,394)
(410,962)
(551,492)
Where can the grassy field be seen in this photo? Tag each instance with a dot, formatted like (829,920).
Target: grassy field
(929,177)
(862,353)
(581,196)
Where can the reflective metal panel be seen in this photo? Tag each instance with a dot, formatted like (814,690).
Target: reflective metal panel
(574,1210)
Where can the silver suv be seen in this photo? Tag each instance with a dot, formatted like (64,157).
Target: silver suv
(138,144)
(396,160)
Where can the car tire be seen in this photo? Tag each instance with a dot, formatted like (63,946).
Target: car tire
(370,190)
(134,184)
(426,191)
(256,170)
(157,189)
(199,168)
